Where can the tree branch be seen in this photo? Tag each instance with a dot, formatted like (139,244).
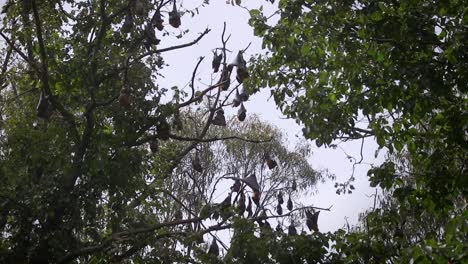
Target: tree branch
(5,67)
(19,52)
(44,74)
(202,93)
(193,77)
(120,235)
(181,138)
(174,47)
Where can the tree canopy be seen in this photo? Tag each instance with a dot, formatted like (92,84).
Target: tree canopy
(100,164)
(395,71)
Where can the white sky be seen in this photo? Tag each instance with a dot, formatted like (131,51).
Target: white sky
(179,74)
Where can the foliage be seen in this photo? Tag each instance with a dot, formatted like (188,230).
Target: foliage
(392,70)
(402,227)
(97,159)
(98,163)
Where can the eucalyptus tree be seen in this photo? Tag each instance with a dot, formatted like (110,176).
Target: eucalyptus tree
(221,179)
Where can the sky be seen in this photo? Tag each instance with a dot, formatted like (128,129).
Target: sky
(181,63)
(345,207)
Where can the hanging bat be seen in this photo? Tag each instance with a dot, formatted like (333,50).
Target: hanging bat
(294,185)
(154,146)
(219,119)
(196,164)
(178,215)
(174,16)
(237,99)
(225,79)
(279,209)
(236,186)
(290,204)
(151,35)
(163,129)
(226,202)
(279,228)
(280,198)
(242,73)
(292,230)
(139,8)
(125,97)
(157,20)
(241,202)
(241,113)
(241,65)
(243,95)
(27,6)
(256,197)
(249,208)
(128,23)
(216,62)
(214,249)
(271,163)
(312,220)
(43,109)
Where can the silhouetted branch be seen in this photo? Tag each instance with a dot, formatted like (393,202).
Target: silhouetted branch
(174,47)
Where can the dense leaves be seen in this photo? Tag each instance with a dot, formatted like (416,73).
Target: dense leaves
(395,71)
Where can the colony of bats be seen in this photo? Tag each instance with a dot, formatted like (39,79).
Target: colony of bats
(44,110)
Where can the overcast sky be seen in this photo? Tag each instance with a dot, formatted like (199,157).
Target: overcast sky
(335,160)
(179,73)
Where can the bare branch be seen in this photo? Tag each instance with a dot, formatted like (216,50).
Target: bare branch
(193,77)
(202,93)
(243,51)
(292,211)
(181,138)
(174,47)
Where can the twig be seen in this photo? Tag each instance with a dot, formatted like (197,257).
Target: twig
(272,15)
(193,77)
(362,146)
(246,47)
(227,97)
(216,183)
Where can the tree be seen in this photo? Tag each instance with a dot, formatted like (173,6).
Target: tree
(395,71)
(199,190)
(96,158)
(94,154)
(400,227)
